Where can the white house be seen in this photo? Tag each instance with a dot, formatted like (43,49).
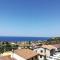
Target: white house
(45,51)
(41,52)
(24,54)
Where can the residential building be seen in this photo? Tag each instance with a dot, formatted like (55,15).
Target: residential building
(45,51)
(24,54)
(41,52)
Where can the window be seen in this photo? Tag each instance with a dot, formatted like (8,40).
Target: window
(40,56)
(41,51)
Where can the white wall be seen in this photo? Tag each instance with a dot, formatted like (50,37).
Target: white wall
(47,53)
(56,49)
(38,50)
(17,57)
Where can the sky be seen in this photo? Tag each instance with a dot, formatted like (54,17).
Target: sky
(40,18)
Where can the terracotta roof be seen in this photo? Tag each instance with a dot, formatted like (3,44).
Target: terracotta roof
(6,58)
(57,45)
(25,53)
(48,47)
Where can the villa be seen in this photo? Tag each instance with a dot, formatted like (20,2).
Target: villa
(24,54)
(45,51)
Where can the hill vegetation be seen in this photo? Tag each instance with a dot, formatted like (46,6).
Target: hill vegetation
(54,40)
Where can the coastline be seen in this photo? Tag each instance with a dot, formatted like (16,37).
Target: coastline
(17,39)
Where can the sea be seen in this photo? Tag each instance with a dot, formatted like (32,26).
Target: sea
(19,39)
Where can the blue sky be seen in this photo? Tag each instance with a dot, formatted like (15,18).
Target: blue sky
(30,18)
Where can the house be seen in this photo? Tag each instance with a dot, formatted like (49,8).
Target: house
(41,52)
(45,51)
(50,50)
(24,54)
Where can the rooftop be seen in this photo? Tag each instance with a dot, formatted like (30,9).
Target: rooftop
(25,53)
(57,45)
(48,47)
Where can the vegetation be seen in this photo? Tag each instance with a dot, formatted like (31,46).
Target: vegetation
(6,46)
(55,40)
